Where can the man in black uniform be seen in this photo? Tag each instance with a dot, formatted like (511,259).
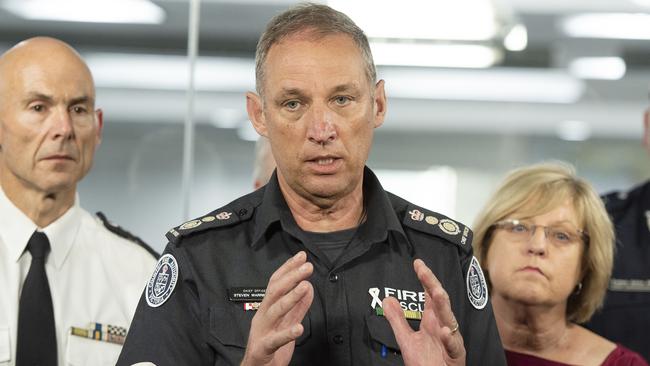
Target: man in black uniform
(321,266)
(625,316)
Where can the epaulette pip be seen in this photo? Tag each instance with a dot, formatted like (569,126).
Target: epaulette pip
(222,217)
(439,225)
(121,232)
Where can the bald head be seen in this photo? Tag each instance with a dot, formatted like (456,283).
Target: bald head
(41,54)
(49,128)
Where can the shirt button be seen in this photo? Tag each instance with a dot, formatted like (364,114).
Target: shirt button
(338,339)
(334,277)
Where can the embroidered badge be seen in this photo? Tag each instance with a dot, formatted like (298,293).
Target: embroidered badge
(163,281)
(449,227)
(431,220)
(190,225)
(208,219)
(477,291)
(416,215)
(463,240)
(408,300)
(223,215)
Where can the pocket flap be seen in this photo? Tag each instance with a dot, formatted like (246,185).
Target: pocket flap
(5,345)
(380,330)
(230,325)
(82,351)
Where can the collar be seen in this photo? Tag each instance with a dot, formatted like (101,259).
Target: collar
(380,214)
(16,229)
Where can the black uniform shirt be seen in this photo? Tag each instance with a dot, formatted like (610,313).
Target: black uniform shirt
(234,250)
(625,317)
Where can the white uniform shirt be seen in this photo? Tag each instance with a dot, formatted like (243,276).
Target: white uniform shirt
(94,276)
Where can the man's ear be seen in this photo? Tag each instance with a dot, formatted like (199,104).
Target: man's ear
(379,103)
(255,109)
(99,115)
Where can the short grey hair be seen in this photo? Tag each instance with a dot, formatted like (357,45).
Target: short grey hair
(321,21)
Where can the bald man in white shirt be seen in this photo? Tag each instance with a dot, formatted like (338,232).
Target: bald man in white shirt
(66,276)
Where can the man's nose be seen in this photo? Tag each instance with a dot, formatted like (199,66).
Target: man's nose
(61,125)
(321,128)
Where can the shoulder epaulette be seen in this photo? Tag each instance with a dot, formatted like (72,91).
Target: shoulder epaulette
(439,225)
(228,215)
(619,201)
(121,232)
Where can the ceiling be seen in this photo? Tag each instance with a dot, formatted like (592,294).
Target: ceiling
(419,98)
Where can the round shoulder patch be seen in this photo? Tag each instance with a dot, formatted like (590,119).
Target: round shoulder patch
(477,290)
(162,282)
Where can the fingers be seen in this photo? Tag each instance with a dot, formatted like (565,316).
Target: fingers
(395,316)
(453,343)
(273,341)
(287,277)
(286,302)
(438,298)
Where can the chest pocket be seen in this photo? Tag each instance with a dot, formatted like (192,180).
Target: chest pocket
(86,352)
(383,345)
(231,324)
(5,346)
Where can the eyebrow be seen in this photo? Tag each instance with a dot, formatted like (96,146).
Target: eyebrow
(288,92)
(40,96)
(345,87)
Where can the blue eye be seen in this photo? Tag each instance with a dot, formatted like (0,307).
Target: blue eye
(292,105)
(519,228)
(561,236)
(341,100)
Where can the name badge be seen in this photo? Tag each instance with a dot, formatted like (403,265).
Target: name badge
(246,294)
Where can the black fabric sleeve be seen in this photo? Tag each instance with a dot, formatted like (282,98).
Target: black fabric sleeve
(171,334)
(479,330)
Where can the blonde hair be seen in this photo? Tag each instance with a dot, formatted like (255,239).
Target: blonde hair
(537,189)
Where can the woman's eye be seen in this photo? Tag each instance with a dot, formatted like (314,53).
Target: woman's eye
(562,236)
(519,228)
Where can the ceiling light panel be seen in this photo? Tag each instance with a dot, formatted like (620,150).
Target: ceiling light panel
(90,11)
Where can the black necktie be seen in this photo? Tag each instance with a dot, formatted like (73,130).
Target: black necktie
(36,343)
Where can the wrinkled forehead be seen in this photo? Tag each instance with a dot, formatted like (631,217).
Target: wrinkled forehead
(303,57)
(61,75)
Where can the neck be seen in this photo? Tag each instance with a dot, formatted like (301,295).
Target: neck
(41,207)
(539,329)
(324,216)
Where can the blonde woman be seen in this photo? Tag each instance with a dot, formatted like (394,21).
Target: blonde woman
(545,243)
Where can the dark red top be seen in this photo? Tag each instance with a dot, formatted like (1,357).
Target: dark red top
(620,356)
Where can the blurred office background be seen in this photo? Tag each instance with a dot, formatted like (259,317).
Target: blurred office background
(475,88)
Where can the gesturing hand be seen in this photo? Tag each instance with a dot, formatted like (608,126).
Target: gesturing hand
(277,323)
(438,341)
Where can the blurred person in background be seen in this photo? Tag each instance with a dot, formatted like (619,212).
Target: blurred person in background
(70,281)
(625,316)
(321,266)
(264,163)
(546,245)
